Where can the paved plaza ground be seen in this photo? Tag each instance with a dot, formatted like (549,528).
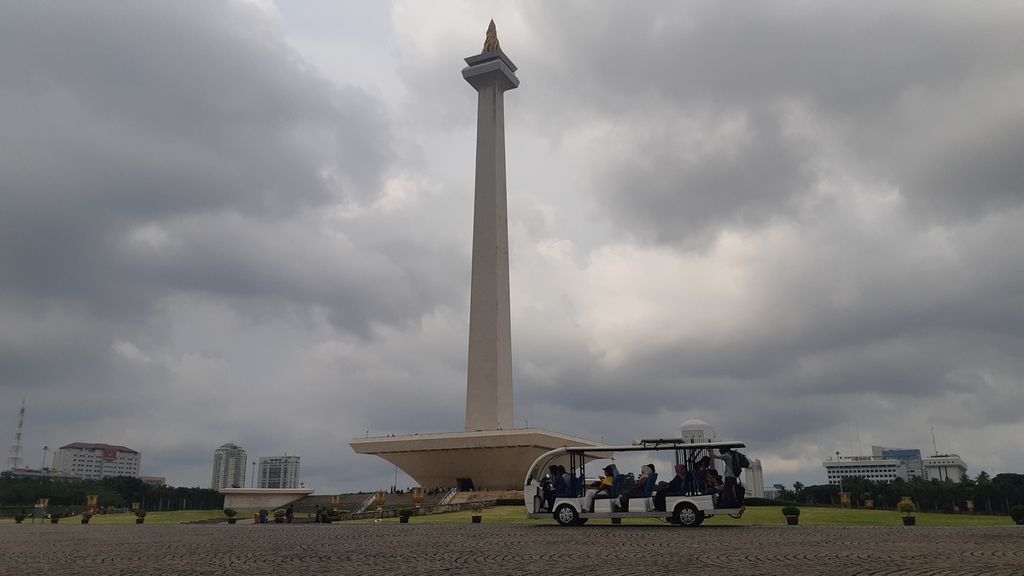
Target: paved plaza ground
(312,549)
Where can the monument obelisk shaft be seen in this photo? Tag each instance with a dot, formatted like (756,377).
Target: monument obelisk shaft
(481,457)
(489,378)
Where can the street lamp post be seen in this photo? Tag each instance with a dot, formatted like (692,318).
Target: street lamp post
(253,474)
(839,472)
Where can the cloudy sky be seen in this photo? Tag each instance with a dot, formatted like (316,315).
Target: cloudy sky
(241,222)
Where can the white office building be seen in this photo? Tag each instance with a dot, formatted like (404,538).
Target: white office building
(229,463)
(279,472)
(875,469)
(944,467)
(97,461)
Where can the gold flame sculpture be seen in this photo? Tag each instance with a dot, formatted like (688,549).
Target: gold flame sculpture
(491,41)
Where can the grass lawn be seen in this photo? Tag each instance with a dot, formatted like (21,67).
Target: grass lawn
(754,516)
(176,517)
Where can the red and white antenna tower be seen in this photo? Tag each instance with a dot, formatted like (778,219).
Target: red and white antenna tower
(14,460)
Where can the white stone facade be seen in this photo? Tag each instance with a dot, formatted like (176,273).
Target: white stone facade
(944,467)
(754,479)
(489,403)
(97,461)
(875,469)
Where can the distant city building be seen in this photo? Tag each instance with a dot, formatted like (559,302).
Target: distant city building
(279,472)
(229,463)
(51,473)
(97,461)
(888,464)
(875,469)
(772,492)
(937,467)
(911,457)
(944,467)
(754,477)
(154,480)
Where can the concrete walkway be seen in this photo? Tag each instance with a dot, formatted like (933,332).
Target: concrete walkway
(507,549)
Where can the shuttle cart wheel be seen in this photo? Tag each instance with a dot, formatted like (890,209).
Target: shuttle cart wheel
(567,515)
(688,515)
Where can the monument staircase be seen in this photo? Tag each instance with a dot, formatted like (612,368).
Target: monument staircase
(480,496)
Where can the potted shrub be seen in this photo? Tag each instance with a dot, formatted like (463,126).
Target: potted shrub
(231,513)
(140,516)
(279,516)
(1017,513)
(86,516)
(19,518)
(477,508)
(907,508)
(404,514)
(792,514)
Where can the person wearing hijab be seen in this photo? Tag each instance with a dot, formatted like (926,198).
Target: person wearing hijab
(640,489)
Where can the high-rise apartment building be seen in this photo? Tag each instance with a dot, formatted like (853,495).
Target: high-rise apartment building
(97,461)
(279,472)
(229,463)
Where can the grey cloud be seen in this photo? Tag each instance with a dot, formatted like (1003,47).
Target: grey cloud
(902,88)
(176,178)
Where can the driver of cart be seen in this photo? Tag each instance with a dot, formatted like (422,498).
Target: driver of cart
(569,489)
(555,487)
(602,486)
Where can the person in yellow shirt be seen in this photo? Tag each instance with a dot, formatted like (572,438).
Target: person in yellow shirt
(602,486)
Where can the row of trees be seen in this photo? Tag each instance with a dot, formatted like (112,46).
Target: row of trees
(113,492)
(990,494)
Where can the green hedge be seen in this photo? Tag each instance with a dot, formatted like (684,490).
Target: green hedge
(767,502)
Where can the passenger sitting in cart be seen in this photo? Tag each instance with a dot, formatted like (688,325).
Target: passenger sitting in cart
(673,488)
(557,486)
(713,482)
(699,474)
(601,487)
(643,488)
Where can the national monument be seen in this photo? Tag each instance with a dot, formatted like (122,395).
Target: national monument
(490,453)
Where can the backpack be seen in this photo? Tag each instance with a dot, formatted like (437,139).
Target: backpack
(739,461)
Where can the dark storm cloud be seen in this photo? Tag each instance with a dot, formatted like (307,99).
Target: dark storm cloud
(786,220)
(911,91)
(172,175)
(135,115)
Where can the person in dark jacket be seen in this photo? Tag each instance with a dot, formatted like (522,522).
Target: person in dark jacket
(674,487)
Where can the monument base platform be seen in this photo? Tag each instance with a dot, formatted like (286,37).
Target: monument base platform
(483,460)
(256,498)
